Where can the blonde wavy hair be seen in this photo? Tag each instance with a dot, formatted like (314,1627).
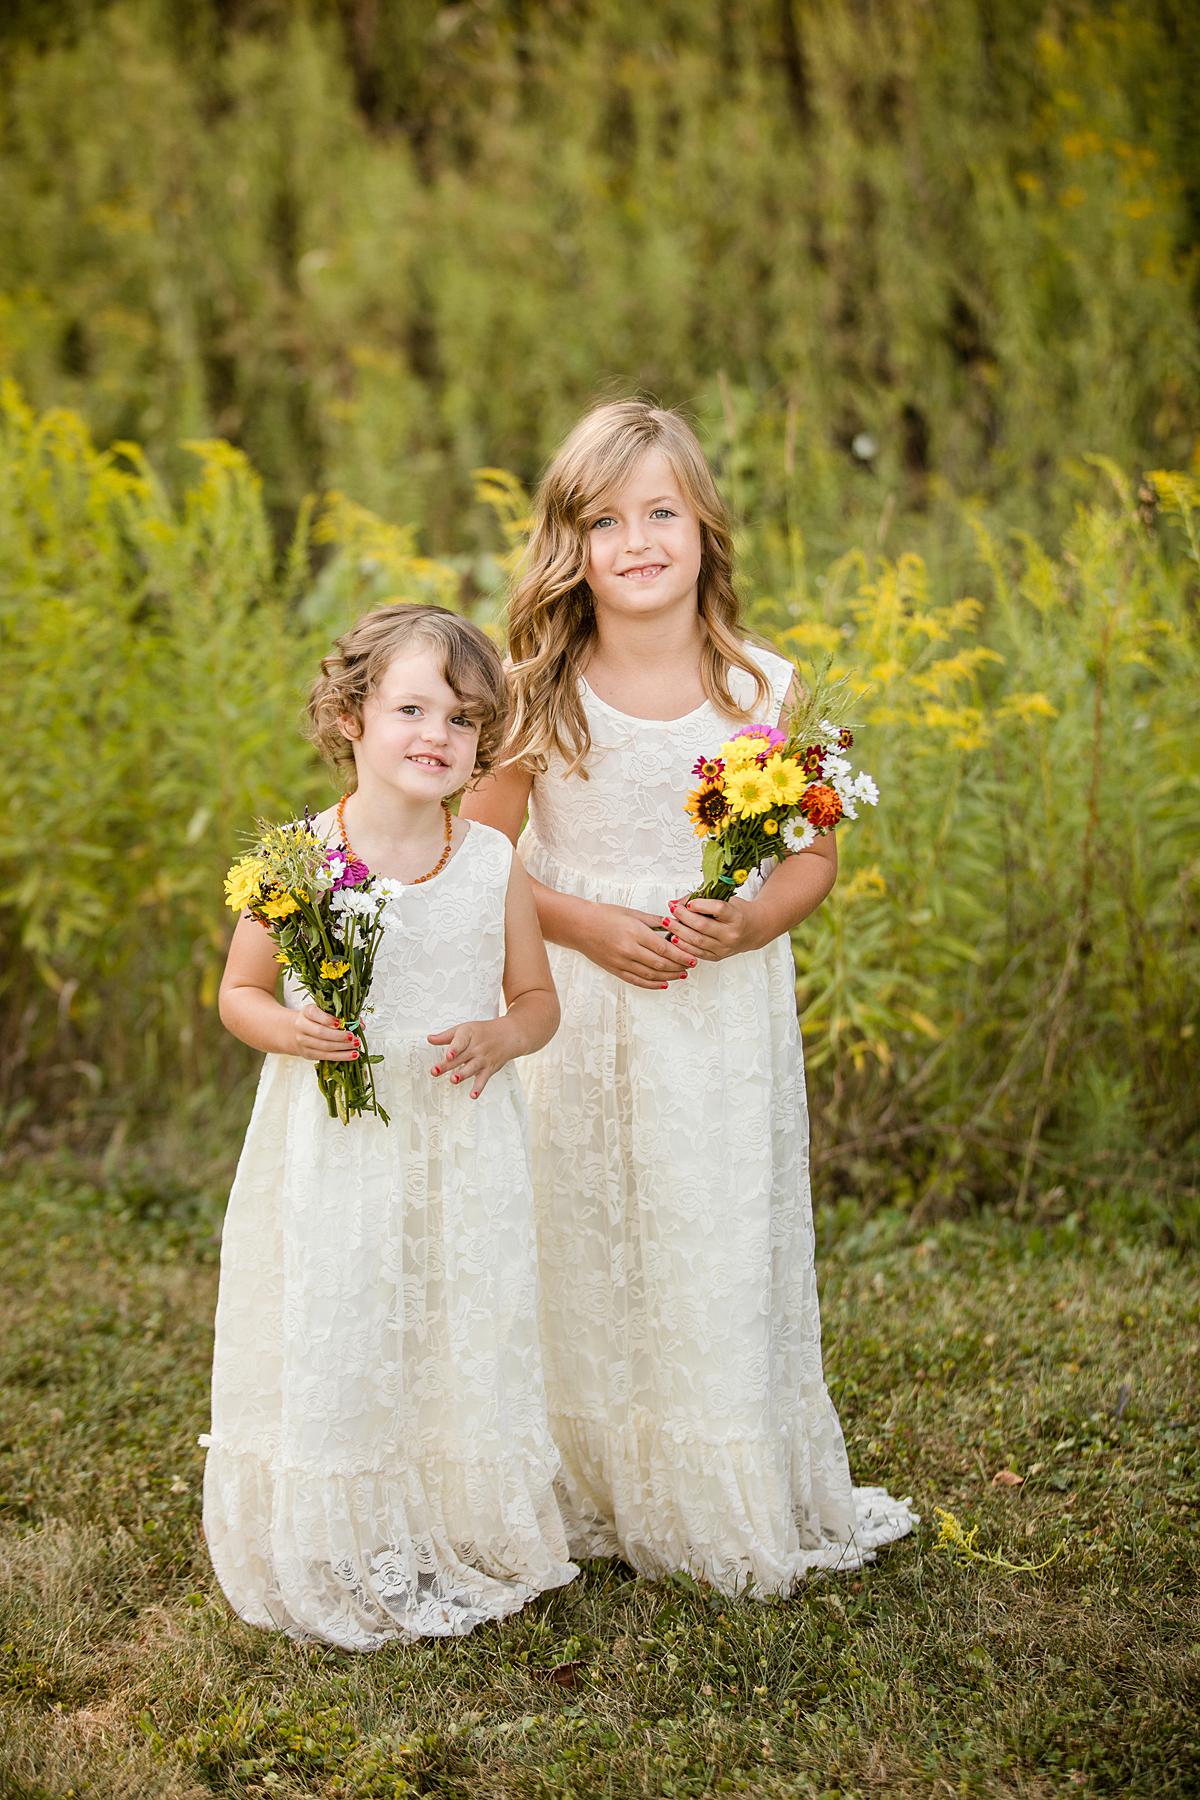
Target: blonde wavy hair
(356,665)
(551,620)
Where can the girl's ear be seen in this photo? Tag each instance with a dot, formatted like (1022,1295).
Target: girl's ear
(349,727)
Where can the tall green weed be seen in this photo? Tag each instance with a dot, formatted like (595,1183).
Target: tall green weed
(995,999)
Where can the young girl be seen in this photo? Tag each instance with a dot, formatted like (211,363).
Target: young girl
(380,1464)
(669,1124)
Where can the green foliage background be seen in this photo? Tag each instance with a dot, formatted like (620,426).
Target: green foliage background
(277,280)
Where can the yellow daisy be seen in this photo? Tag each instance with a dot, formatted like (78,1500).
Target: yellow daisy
(748,792)
(280,907)
(785,778)
(333,971)
(243,882)
(739,751)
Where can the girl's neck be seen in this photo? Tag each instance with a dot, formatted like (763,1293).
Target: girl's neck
(379,819)
(666,644)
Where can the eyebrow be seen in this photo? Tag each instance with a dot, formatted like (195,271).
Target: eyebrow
(405,699)
(656,501)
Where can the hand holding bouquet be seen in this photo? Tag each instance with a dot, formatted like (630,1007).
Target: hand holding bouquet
(324,911)
(771,793)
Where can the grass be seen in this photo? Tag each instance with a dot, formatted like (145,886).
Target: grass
(1065,1356)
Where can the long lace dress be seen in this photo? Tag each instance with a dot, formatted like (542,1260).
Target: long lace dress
(380,1464)
(669,1131)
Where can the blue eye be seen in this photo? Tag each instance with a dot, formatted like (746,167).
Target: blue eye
(606,520)
(662,512)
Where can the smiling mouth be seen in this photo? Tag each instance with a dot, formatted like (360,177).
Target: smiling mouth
(647,572)
(428,762)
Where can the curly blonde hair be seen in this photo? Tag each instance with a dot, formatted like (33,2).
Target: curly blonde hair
(356,665)
(551,621)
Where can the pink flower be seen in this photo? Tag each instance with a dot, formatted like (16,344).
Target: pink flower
(771,738)
(353,874)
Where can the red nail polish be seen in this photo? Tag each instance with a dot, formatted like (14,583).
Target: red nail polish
(455,1078)
(671,905)
(671,938)
(683,975)
(436,1070)
(664,984)
(666,921)
(449,1056)
(692,964)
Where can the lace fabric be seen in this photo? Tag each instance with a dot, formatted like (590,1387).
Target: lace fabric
(380,1464)
(669,1132)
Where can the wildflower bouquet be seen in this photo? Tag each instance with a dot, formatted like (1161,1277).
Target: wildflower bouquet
(324,910)
(769,792)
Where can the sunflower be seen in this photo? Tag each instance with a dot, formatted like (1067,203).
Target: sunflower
(708,809)
(748,792)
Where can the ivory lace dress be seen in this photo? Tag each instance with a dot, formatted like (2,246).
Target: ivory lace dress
(669,1130)
(380,1464)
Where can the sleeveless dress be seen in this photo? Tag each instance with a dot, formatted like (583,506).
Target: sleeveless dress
(669,1130)
(380,1464)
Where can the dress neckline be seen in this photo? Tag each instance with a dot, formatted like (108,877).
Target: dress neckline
(636,718)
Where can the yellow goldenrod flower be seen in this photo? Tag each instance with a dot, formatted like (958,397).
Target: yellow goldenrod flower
(281,956)
(770,826)
(740,875)
(243,882)
(333,971)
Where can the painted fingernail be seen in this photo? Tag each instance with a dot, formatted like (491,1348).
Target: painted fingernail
(671,905)
(450,1056)
(671,938)
(692,964)
(664,984)
(354,1056)
(683,974)
(474,1093)
(666,921)
(456,1078)
(437,1070)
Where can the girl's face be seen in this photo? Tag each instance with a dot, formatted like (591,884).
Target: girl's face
(644,543)
(417,736)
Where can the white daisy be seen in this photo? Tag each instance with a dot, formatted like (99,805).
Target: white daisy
(798,834)
(865,789)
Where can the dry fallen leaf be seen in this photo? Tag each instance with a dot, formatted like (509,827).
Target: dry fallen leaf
(1007,1478)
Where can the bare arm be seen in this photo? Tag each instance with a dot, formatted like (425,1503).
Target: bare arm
(620,939)
(249,1009)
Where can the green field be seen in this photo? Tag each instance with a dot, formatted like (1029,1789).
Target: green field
(1063,1356)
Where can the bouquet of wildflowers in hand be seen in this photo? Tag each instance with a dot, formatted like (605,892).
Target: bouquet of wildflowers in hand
(769,793)
(324,911)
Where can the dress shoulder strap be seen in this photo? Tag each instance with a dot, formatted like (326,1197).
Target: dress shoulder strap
(495,851)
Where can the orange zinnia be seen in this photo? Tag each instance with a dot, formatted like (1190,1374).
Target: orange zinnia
(821,806)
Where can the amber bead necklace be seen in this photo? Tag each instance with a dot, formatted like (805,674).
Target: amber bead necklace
(438,866)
